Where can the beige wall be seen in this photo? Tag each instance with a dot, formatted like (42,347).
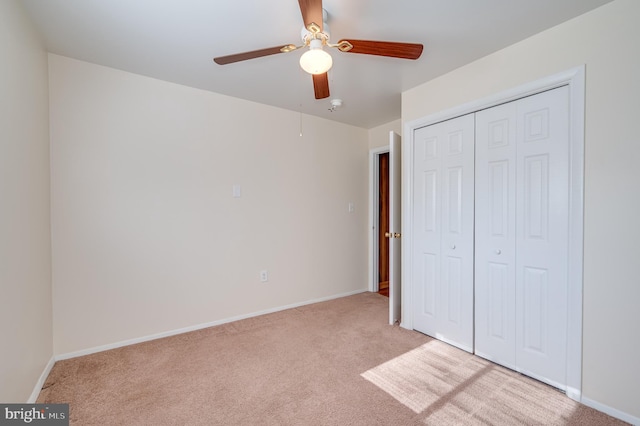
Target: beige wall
(25,248)
(379,136)
(606,40)
(146,235)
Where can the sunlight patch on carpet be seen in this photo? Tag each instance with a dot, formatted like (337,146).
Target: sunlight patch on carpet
(449,386)
(420,377)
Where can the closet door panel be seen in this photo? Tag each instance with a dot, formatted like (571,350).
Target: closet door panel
(495,331)
(457,231)
(443,226)
(522,193)
(542,235)
(427,228)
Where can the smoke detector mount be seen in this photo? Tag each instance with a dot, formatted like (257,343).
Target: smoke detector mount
(335,104)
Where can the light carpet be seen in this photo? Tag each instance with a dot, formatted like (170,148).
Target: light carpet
(330,363)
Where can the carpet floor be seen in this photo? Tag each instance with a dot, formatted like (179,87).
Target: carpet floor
(330,363)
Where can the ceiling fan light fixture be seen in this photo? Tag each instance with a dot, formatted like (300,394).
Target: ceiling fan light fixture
(316,60)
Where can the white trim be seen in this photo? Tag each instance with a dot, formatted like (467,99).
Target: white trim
(574,394)
(406,319)
(373,215)
(575,79)
(572,77)
(611,411)
(576,233)
(142,339)
(40,383)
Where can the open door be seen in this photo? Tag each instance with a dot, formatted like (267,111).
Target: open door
(394,228)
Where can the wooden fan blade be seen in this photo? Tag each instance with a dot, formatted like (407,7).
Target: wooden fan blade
(386,48)
(321,85)
(223,60)
(311,12)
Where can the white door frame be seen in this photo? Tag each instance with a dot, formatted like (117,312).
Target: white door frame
(374,175)
(575,80)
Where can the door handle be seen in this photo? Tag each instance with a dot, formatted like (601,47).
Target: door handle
(397,235)
(387,234)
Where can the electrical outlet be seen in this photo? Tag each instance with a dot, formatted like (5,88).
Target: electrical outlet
(264,276)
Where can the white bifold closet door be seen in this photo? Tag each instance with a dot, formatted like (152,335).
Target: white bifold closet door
(521,235)
(443,231)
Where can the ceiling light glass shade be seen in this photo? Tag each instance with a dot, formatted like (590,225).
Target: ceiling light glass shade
(316,60)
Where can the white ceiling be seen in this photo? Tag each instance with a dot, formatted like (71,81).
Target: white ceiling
(176,40)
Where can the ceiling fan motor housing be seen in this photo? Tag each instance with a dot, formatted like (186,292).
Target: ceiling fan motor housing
(307,35)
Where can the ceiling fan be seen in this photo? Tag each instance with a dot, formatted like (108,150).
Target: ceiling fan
(316,61)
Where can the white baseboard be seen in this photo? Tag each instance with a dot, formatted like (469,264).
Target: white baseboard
(574,394)
(43,377)
(197,327)
(611,411)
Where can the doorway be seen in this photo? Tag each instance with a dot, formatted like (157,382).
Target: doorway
(383,224)
(379,220)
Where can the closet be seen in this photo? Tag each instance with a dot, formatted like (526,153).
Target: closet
(490,203)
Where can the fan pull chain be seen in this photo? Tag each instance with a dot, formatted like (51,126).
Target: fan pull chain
(300,122)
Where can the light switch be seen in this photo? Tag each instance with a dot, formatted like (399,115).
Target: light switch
(351,208)
(237,191)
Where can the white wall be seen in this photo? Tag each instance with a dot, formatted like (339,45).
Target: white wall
(606,40)
(146,235)
(379,136)
(25,246)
